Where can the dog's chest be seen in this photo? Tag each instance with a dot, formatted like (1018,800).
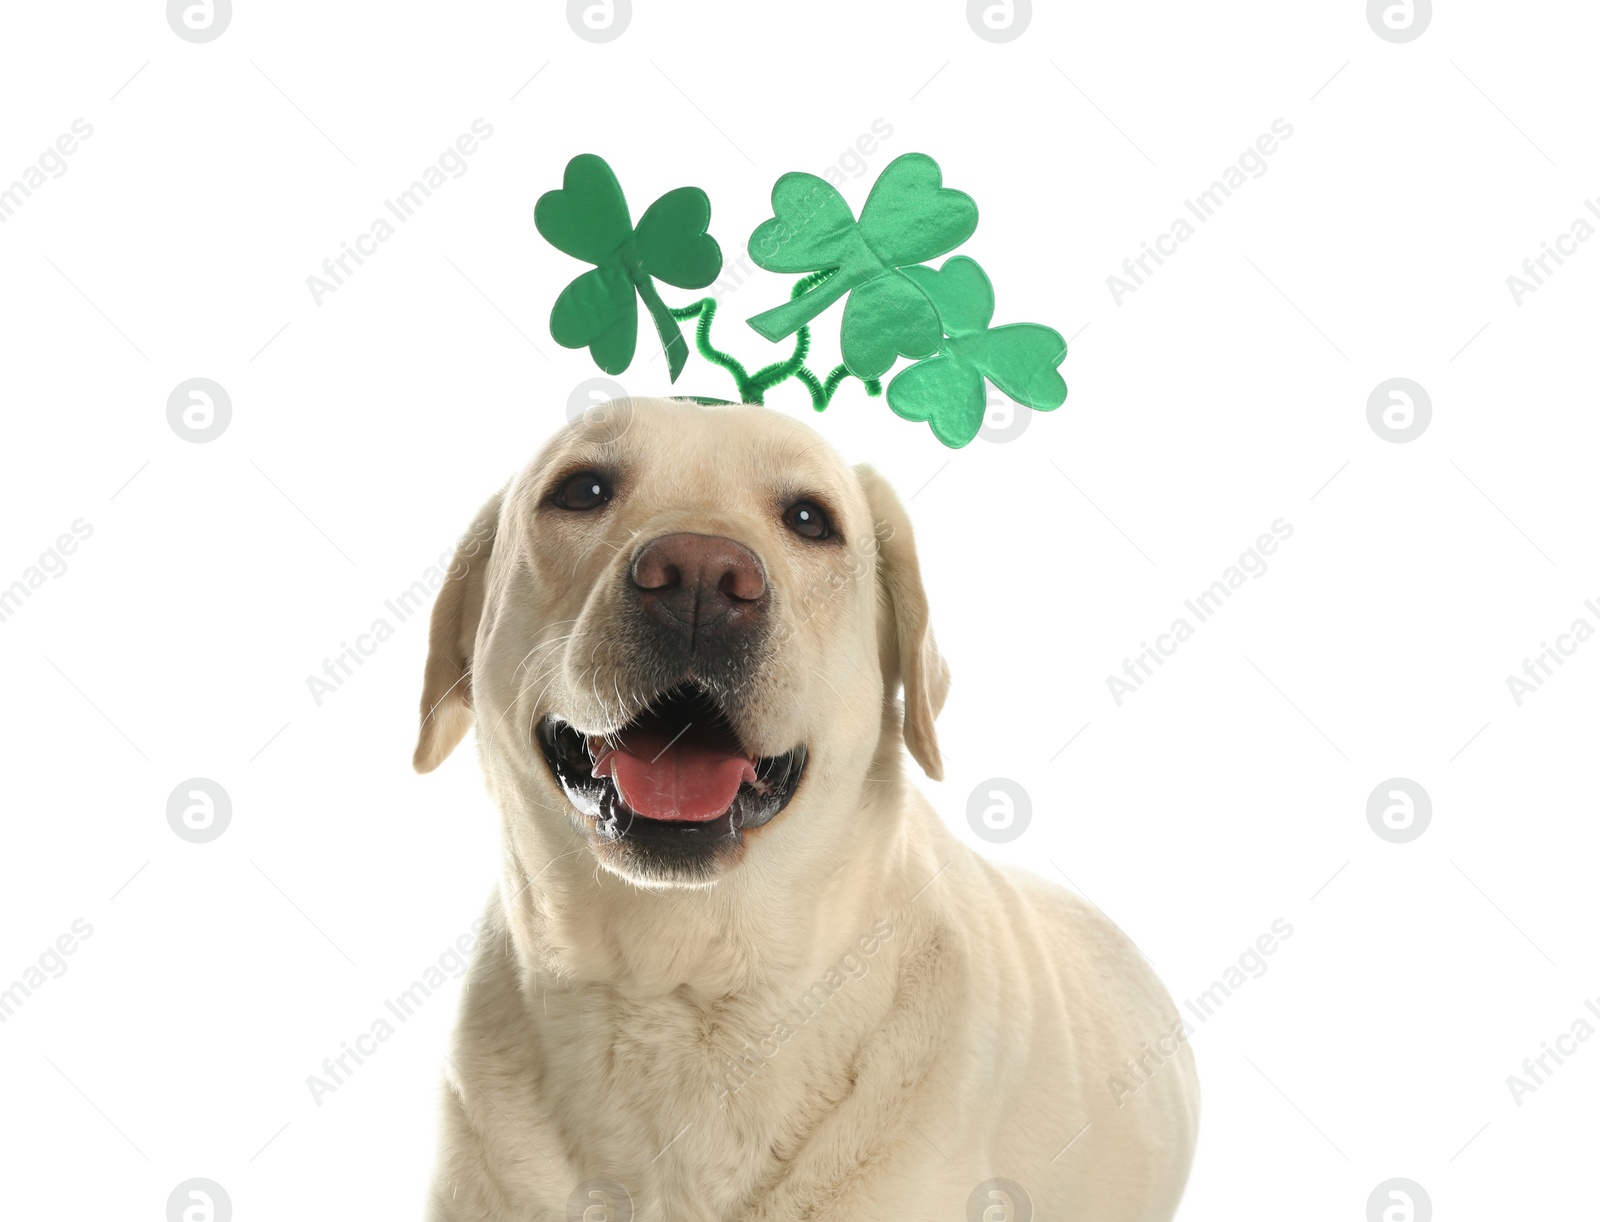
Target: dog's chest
(694,1107)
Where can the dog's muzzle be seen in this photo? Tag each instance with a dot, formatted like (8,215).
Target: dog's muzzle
(678,770)
(696,628)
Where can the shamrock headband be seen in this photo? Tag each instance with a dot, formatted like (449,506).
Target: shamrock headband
(895,305)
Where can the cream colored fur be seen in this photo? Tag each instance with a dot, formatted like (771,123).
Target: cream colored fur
(977,1037)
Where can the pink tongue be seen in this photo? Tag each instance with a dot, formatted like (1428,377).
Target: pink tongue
(682,779)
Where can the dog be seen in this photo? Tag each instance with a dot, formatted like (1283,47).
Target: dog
(736,968)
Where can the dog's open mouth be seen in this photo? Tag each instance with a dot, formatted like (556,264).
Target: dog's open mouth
(678,771)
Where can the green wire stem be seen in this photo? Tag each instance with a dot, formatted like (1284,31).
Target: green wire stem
(753,387)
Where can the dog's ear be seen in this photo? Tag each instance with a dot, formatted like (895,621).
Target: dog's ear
(911,659)
(447,678)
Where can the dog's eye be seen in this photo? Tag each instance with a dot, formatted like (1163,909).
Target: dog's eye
(585,490)
(808,520)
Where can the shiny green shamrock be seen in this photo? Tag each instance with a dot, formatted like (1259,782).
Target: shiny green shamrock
(908,218)
(947,390)
(588,219)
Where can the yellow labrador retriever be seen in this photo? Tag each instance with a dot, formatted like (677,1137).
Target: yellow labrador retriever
(736,967)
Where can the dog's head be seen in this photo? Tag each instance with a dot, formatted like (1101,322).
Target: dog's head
(678,626)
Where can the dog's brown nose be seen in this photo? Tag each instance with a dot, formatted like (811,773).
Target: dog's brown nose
(699,585)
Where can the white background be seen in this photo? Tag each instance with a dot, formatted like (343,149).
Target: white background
(1227,392)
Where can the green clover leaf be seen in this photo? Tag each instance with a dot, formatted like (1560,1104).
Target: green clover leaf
(947,390)
(587,218)
(909,217)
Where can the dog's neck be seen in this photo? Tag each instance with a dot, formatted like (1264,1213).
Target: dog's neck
(746,1009)
(574,924)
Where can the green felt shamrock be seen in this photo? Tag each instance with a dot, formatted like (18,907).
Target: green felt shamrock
(588,219)
(947,390)
(908,218)
(894,305)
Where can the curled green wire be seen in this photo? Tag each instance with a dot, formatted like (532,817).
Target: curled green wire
(753,387)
